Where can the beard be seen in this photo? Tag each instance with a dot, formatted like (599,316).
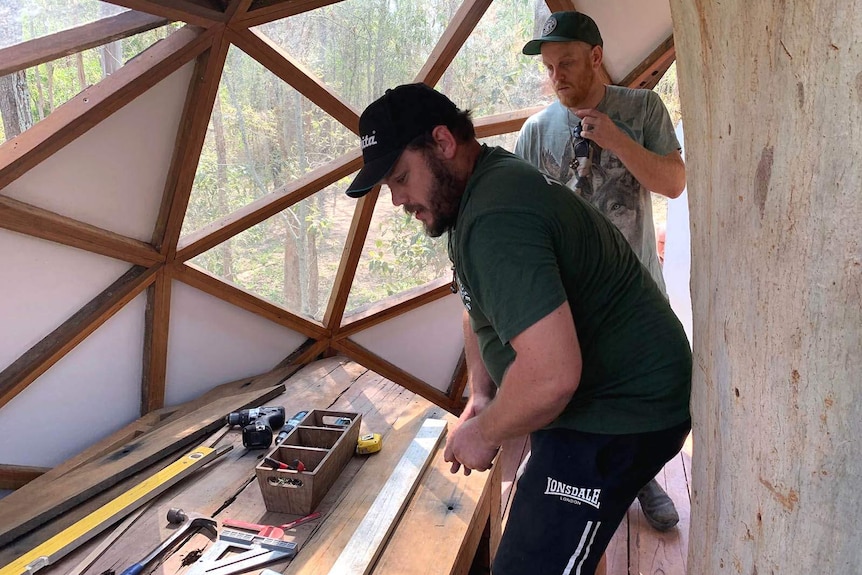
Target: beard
(445,194)
(578,90)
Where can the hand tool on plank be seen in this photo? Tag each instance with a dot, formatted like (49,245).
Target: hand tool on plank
(258,551)
(88,527)
(189,522)
(273,531)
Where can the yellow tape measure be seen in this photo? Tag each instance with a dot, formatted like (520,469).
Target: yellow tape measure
(369,443)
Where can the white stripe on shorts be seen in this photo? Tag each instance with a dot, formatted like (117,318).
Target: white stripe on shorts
(583,547)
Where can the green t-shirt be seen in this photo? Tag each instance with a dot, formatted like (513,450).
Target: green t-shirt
(523,244)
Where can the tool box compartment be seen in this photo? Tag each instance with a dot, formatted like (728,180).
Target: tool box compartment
(324,442)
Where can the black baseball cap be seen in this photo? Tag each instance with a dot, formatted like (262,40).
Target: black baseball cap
(391,122)
(565,27)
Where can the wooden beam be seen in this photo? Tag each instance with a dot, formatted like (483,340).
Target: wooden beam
(190,141)
(225,228)
(32,221)
(504,123)
(649,72)
(367,541)
(392,372)
(350,259)
(457,32)
(309,351)
(263,11)
(459,380)
(257,45)
(91,106)
(237,9)
(195,13)
(393,306)
(39,358)
(48,48)
(17,476)
(208,283)
(156,322)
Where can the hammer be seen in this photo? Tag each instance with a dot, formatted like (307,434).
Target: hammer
(188,522)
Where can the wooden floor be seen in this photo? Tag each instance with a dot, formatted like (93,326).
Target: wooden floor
(637,548)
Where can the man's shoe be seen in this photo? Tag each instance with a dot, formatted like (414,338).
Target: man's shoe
(657,506)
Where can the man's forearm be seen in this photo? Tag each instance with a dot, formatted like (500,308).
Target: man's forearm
(481,384)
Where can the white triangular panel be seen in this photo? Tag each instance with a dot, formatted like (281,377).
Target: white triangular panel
(425,342)
(213,342)
(113,176)
(90,393)
(43,284)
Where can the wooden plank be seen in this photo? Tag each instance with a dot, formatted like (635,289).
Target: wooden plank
(17,476)
(225,228)
(504,123)
(353,246)
(647,74)
(457,32)
(53,46)
(32,221)
(237,9)
(263,11)
(393,306)
(156,322)
(450,510)
(367,542)
(206,282)
(198,14)
(257,45)
(23,511)
(94,104)
(376,363)
(53,347)
(190,141)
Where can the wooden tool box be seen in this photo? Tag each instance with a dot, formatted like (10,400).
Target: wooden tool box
(323,441)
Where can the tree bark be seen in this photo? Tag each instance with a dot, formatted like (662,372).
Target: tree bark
(14,95)
(772,107)
(225,250)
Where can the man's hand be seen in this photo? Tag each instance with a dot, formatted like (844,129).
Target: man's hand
(466,446)
(598,127)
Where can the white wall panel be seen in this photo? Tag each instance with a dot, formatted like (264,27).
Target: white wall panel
(42,285)
(90,393)
(426,342)
(113,176)
(213,342)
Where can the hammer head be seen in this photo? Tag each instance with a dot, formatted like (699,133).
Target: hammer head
(193,520)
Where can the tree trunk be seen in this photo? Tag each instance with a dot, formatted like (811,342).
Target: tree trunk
(221,185)
(772,101)
(14,95)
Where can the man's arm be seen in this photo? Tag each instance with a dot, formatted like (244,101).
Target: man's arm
(663,175)
(482,388)
(536,388)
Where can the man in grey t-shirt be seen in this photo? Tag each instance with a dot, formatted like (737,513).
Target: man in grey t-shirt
(612,145)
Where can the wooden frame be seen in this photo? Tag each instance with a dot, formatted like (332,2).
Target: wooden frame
(213,28)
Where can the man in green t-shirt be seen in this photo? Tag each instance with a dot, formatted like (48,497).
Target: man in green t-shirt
(567,337)
(610,144)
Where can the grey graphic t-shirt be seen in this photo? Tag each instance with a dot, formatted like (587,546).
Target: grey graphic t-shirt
(547,141)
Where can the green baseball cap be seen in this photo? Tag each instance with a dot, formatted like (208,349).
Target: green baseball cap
(566,27)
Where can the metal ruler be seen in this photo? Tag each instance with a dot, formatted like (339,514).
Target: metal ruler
(85,529)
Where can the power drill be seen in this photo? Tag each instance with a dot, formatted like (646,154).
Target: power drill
(258,424)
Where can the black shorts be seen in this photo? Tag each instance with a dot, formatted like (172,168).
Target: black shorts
(574,493)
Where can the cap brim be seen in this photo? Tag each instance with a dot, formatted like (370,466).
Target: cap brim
(371,174)
(534,47)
